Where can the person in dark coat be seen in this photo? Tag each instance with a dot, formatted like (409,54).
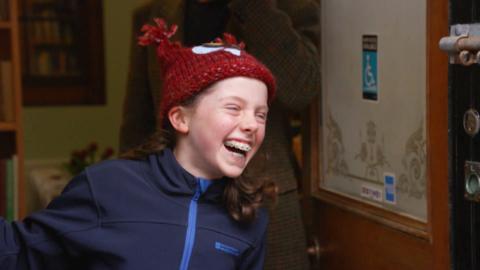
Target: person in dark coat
(284,35)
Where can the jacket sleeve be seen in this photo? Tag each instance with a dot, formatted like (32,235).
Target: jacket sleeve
(138,117)
(284,35)
(43,240)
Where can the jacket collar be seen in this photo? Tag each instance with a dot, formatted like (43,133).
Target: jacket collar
(173,179)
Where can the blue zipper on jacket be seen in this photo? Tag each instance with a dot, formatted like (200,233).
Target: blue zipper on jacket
(202,185)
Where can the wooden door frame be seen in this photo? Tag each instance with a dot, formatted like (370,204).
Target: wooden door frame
(434,234)
(437,116)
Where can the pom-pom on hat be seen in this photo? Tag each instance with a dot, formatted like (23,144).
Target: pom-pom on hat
(187,71)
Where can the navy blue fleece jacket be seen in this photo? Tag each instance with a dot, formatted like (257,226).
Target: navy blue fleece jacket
(138,215)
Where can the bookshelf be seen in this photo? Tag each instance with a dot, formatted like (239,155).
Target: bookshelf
(12,185)
(62,52)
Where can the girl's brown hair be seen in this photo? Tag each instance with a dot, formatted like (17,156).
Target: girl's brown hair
(242,196)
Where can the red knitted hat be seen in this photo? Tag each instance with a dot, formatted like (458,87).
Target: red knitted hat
(187,71)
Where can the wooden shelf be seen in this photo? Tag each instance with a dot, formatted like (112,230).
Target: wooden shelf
(5,126)
(11,132)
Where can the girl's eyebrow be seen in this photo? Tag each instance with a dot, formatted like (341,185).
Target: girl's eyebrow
(232,97)
(241,100)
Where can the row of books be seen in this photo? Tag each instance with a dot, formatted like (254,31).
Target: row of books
(8,205)
(4,10)
(49,62)
(6,91)
(48,27)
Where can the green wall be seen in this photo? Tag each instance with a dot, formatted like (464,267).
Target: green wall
(53,132)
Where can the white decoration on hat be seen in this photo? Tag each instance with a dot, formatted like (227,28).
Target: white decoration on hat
(233,51)
(205,50)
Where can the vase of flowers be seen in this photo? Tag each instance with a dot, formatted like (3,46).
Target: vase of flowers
(80,159)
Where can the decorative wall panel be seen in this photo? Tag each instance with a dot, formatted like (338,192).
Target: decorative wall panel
(374,149)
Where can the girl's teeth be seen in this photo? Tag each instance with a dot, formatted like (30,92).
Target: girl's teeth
(238,145)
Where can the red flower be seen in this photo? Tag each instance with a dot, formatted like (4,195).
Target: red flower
(92,147)
(107,153)
(80,159)
(82,154)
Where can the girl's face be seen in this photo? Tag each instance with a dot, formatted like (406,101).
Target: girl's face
(225,126)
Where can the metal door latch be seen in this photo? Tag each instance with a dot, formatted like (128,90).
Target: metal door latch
(471,122)
(463,44)
(472,181)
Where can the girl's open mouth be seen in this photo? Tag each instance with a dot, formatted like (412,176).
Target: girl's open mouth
(237,147)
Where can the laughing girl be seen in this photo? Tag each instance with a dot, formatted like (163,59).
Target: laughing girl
(180,200)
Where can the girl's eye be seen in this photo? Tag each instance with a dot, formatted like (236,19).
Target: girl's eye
(262,116)
(233,107)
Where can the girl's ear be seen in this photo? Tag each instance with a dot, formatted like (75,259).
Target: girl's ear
(179,119)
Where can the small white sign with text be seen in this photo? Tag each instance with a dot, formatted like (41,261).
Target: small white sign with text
(372,193)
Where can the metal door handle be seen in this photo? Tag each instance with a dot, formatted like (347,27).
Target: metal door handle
(463,44)
(314,250)
(472,181)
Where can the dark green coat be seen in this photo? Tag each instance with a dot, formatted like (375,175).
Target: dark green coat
(284,35)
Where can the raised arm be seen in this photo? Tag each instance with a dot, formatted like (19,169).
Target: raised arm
(43,241)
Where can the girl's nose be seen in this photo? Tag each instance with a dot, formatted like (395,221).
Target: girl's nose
(249,123)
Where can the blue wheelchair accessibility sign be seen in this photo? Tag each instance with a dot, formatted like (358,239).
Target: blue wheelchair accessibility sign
(370,68)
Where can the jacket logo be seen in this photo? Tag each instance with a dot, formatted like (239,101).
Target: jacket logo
(227,249)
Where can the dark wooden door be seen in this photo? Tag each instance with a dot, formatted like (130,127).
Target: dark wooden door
(352,235)
(464,90)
